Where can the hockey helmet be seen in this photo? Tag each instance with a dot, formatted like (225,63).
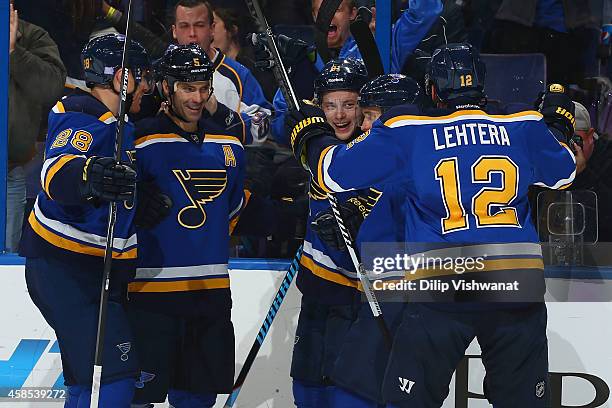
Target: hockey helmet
(103,56)
(338,75)
(456,71)
(184,63)
(389,90)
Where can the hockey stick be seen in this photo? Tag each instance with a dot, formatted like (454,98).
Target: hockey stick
(278,68)
(324,17)
(265,327)
(368,49)
(112,219)
(361,273)
(280,74)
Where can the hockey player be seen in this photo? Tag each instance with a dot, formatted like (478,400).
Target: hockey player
(180,303)
(65,237)
(362,358)
(467,172)
(327,277)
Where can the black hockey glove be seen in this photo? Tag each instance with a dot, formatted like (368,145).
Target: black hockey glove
(292,51)
(152,205)
(305,124)
(558,111)
(353,211)
(106,180)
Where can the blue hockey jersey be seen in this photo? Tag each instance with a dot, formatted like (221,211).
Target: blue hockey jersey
(61,222)
(326,275)
(182,263)
(466,175)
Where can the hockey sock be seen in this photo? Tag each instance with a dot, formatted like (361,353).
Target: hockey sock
(310,395)
(72,396)
(117,394)
(186,399)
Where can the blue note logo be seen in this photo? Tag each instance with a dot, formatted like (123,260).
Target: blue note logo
(144,378)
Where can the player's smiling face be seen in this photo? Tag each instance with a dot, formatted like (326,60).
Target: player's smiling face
(189,99)
(342,112)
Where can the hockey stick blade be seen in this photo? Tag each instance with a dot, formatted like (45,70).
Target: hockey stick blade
(264,329)
(324,17)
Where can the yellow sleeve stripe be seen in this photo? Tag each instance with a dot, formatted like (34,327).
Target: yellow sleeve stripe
(328,275)
(234,221)
(108,117)
(59,108)
(320,176)
(514,117)
(57,166)
(179,286)
(74,246)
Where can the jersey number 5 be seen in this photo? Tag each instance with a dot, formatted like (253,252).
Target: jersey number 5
(483,202)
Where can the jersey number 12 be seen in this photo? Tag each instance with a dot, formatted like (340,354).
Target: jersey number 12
(446,172)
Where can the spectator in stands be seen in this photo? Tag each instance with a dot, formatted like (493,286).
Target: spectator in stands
(228,37)
(37,77)
(235,86)
(557,28)
(597,176)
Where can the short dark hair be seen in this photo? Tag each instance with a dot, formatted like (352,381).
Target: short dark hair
(192,4)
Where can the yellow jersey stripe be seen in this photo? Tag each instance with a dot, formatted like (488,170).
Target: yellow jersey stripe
(73,246)
(106,116)
(320,176)
(57,166)
(59,108)
(143,139)
(326,274)
(517,116)
(489,266)
(234,221)
(179,286)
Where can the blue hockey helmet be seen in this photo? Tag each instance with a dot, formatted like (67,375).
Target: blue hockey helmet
(184,63)
(103,56)
(389,90)
(340,75)
(456,72)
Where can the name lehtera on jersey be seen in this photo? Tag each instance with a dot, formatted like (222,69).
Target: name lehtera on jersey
(79,126)
(202,172)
